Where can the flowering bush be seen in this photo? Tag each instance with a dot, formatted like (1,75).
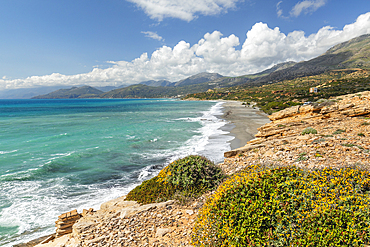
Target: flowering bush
(287,206)
(183,178)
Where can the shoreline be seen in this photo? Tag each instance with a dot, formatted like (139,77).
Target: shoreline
(168,224)
(243,122)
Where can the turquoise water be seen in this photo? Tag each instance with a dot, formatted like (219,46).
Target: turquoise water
(58,155)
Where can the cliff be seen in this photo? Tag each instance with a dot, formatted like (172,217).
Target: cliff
(333,133)
(339,136)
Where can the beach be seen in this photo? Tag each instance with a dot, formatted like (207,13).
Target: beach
(229,122)
(244,121)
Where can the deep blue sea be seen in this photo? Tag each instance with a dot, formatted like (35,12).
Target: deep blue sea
(60,155)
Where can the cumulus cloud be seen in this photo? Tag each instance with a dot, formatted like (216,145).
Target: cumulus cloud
(307,6)
(184,10)
(152,35)
(263,47)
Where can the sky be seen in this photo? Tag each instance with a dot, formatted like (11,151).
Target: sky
(122,42)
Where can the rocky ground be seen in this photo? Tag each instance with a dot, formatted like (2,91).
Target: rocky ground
(342,138)
(126,223)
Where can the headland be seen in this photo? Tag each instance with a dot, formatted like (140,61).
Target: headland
(333,133)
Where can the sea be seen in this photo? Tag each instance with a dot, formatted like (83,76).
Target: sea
(63,154)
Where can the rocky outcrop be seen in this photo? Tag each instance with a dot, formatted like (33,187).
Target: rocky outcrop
(127,223)
(342,138)
(65,222)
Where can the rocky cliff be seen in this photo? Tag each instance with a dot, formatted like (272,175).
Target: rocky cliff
(334,133)
(331,133)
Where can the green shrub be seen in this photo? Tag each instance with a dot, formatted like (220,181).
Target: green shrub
(287,206)
(182,179)
(318,141)
(365,123)
(309,130)
(338,132)
(194,171)
(151,191)
(302,157)
(361,134)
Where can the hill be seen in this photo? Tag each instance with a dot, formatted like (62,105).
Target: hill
(72,93)
(343,69)
(197,79)
(347,57)
(28,93)
(153,83)
(354,53)
(140,91)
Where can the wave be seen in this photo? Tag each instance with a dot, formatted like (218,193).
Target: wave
(85,174)
(210,141)
(8,152)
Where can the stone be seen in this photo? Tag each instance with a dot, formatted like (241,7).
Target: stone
(189,212)
(162,231)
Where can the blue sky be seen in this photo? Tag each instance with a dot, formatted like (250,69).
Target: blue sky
(115,42)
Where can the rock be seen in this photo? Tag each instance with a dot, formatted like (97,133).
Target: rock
(162,231)
(189,212)
(242,150)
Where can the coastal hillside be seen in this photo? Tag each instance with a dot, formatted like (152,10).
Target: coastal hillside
(273,89)
(274,97)
(354,53)
(195,79)
(327,142)
(72,93)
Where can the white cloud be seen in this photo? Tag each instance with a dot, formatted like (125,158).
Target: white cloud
(262,48)
(279,11)
(307,6)
(184,10)
(152,35)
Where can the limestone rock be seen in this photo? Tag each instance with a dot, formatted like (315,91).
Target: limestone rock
(162,231)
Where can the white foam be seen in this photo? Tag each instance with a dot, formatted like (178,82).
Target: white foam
(8,152)
(212,141)
(36,204)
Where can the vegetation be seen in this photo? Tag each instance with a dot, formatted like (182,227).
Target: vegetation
(72,93)
(275,96)
(287,206)
(182,179)
(309,130)
(341,70)
(194,171)
(338,132)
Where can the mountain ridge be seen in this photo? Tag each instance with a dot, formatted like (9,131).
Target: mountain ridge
(354,53)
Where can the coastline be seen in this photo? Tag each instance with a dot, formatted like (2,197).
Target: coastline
(243,122)
(169,224)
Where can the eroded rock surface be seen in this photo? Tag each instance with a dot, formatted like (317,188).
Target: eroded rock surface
(342,139)
(127,223)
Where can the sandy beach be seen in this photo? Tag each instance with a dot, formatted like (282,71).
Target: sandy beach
(244,121)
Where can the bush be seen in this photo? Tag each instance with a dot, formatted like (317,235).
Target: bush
(151,191)
(287,206)
(309,130)
(338,132)
(182,179)
(194,171)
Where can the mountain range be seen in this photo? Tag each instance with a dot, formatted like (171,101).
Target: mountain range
(354,53)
